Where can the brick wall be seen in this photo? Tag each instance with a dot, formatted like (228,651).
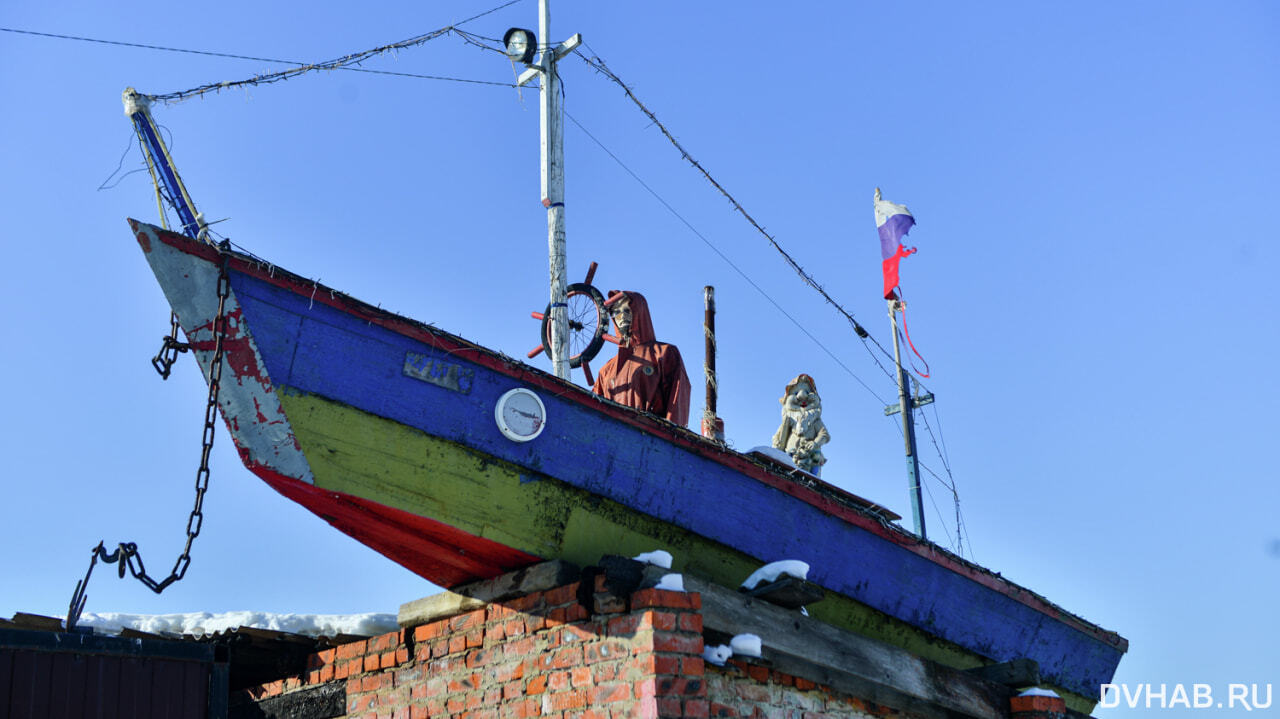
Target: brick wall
(539,655)
(546,655)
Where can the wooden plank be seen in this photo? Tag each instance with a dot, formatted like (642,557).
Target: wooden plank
(850,662)
(537,578)
(788,592)
(1019,673)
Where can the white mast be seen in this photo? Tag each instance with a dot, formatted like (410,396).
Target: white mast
(551,141)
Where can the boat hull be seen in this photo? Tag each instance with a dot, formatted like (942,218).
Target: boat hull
(385,428)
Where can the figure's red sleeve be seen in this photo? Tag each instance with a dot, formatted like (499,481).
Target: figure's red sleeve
(678,388)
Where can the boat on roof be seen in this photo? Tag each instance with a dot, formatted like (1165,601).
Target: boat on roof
(393,431)
(462,463)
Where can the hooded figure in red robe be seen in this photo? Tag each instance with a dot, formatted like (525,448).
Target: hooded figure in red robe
(647,374)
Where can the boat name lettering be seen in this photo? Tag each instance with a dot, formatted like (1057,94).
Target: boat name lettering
(442,374)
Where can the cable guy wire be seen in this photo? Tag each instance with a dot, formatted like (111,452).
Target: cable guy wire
(599,66)
(724,257)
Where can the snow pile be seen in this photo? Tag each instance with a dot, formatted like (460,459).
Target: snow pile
(658,558)
(747,645)
(672,582)
(201,623)
(775,454)
(1038,692)
(770,572)
(716,655)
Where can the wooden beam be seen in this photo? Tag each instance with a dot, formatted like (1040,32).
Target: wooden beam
(788,592)
(1016,674)
(849,662)
(464,598)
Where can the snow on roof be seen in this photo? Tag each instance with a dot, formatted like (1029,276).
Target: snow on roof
(202,623)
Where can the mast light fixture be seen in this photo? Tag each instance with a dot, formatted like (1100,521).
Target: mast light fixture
(520,44)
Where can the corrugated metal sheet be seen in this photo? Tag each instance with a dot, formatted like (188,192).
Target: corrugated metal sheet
(54,675)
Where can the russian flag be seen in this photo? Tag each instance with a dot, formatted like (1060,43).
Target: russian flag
(893,222)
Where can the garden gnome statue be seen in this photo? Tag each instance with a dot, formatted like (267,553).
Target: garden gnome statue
(802,433)
(647,374)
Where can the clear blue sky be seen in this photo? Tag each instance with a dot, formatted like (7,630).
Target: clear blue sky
(1095,286)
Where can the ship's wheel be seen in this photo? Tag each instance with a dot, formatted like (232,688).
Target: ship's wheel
(588,324)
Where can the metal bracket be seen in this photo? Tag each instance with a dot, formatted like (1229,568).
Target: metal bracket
(916,403)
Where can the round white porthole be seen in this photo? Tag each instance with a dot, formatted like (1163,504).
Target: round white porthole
(520,415)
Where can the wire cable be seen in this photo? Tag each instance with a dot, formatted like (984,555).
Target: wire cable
(722,256)
(342,63)
(599,66)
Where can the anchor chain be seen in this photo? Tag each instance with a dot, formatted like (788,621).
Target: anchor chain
(126,553)
(168,354)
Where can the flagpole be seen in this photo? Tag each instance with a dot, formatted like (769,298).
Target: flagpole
(907,407)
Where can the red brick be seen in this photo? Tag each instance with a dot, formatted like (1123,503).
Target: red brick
(513,628)
(455,705)
(567,657)
(558,681)
(575,632)
(468,620)
(697,708)
(1043,705)
(481,657)
(536,685)
(508,672)
(557,617)
(351,650)
(382,642)
(593,714)
(520,648)
(457,643)
(804,685)
(371,683)
(758,673)
(534,623)
(624,625)
(665,621)
(562,595)
(574,699)
(785,680)
(576,613)
(495,632)
(660,664)
(464,683)
(475,639)
(606,672)
(665,598)
(327,673)
(669,707)
(525,603)
(670,642)
(690,622)
(387,660)
(497,612)
(371,663)
(692,666)
(512,690)
(605,693)
(581,676)
(751,692)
